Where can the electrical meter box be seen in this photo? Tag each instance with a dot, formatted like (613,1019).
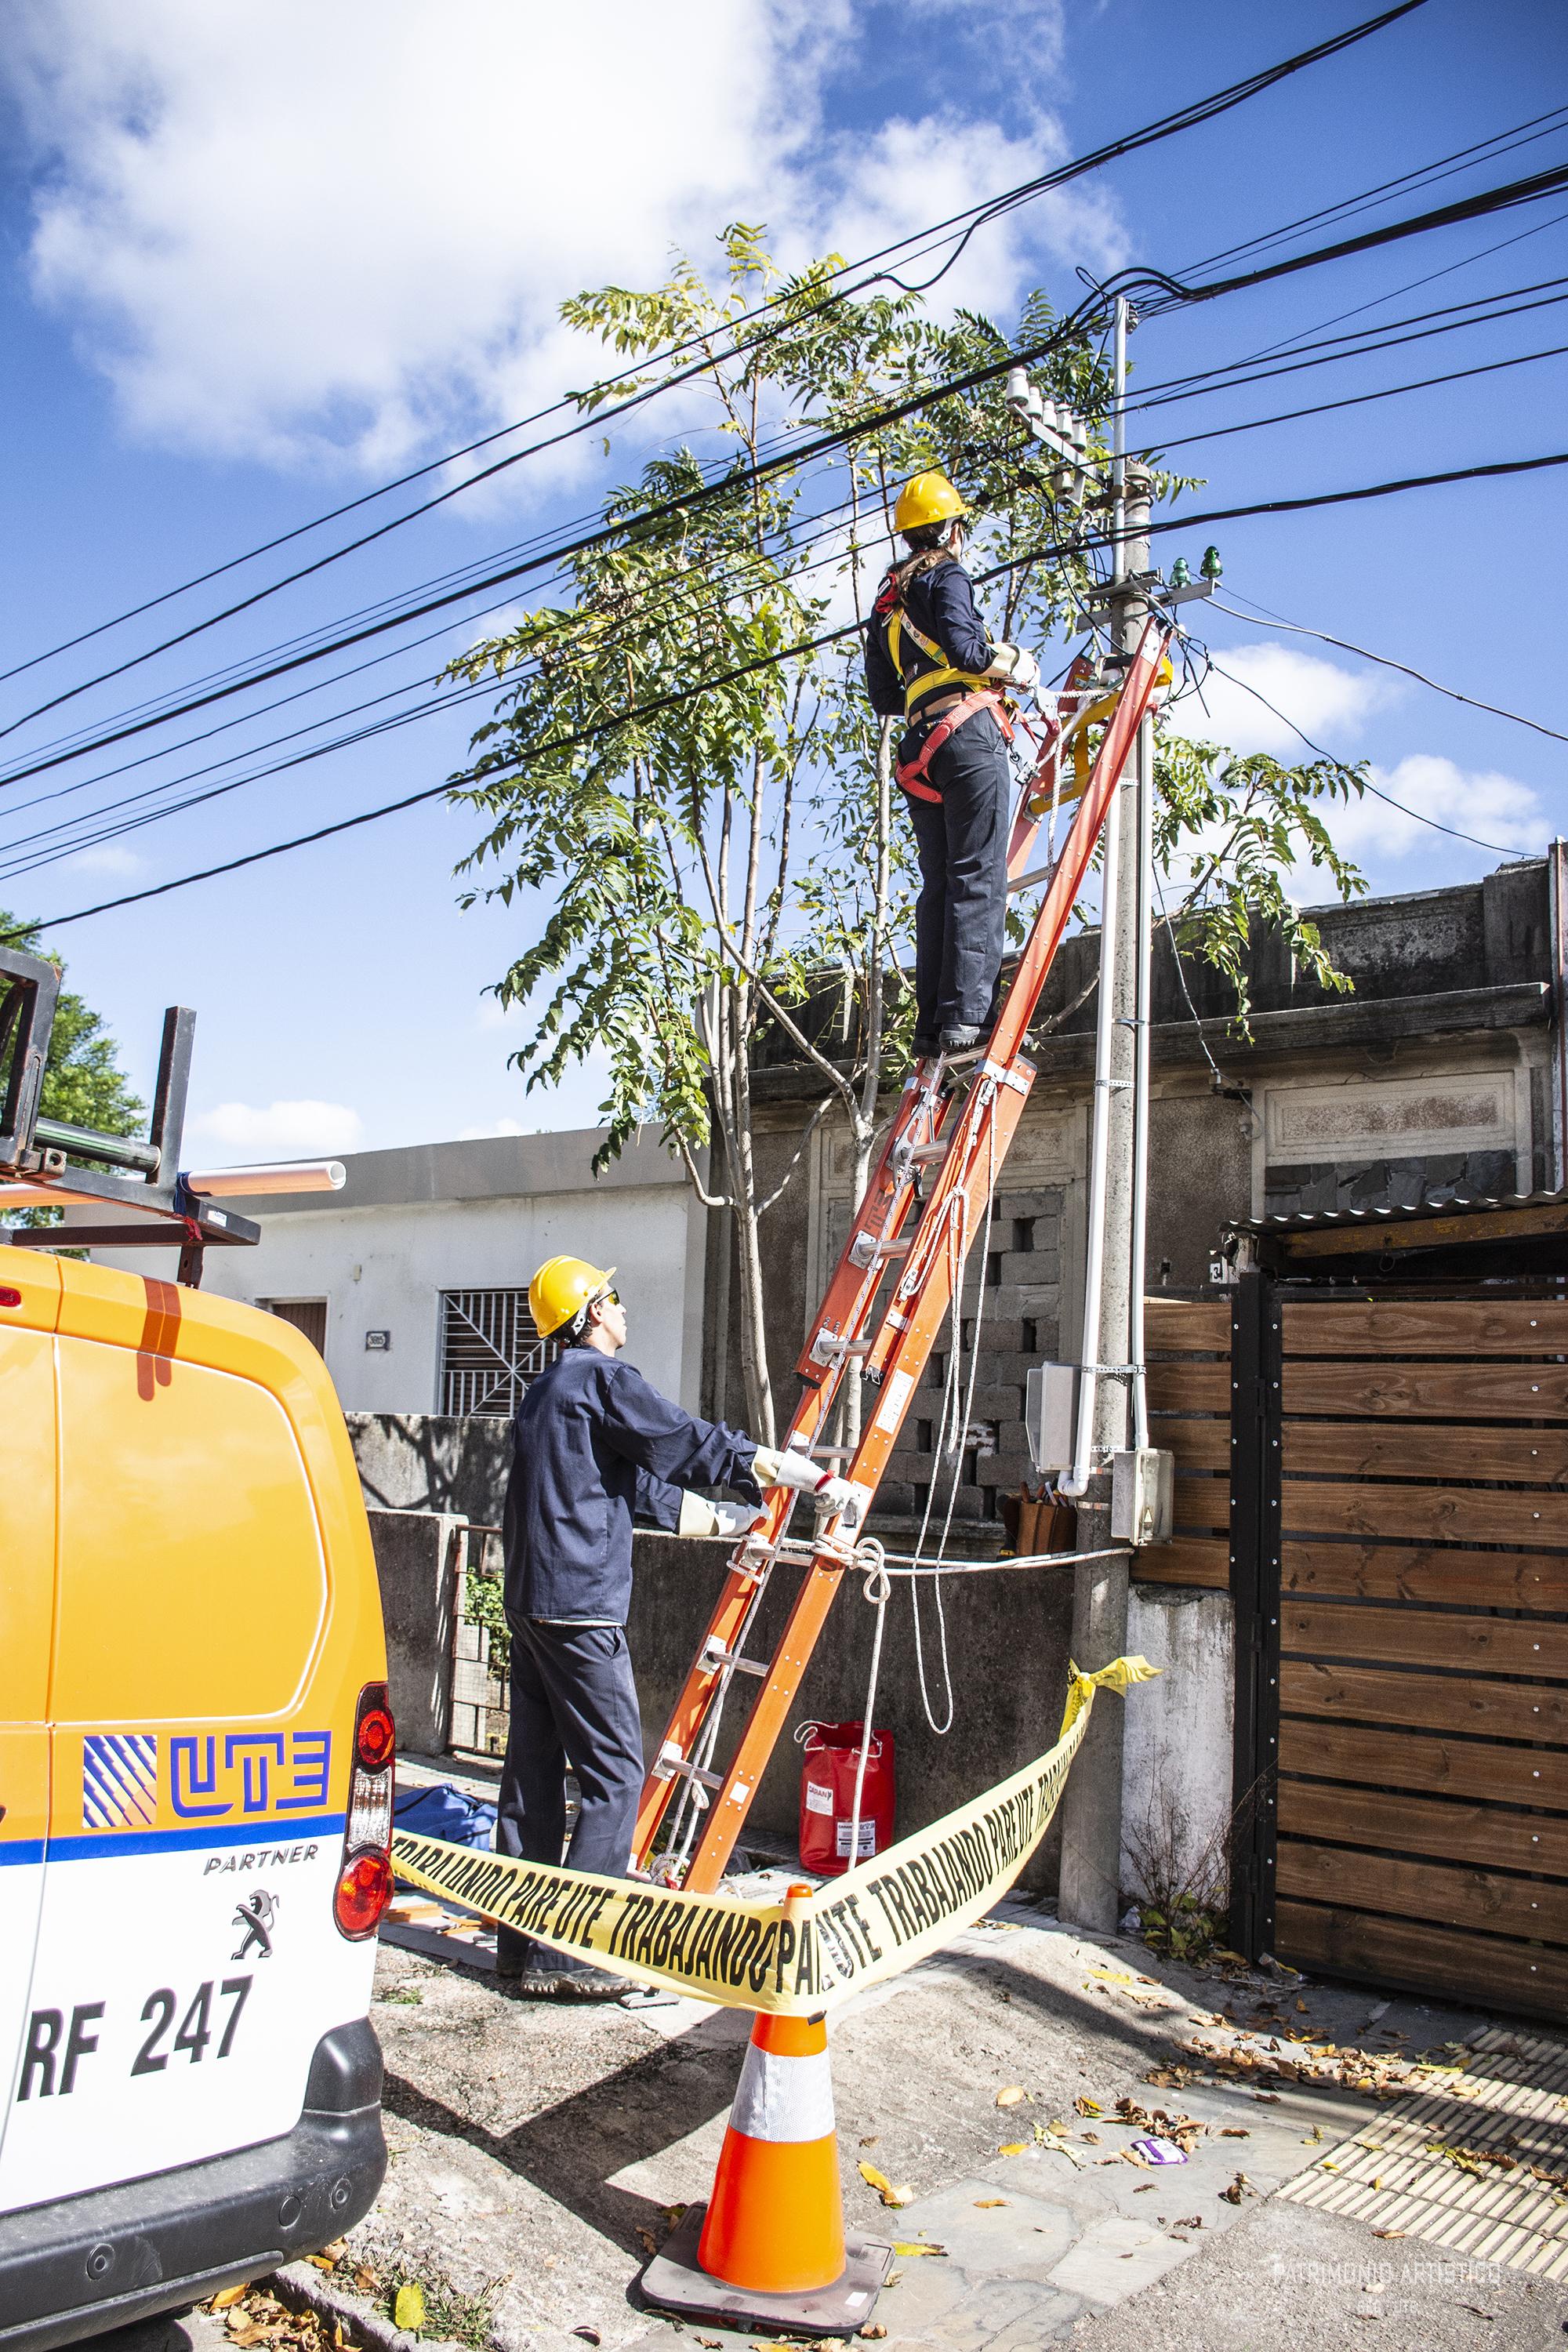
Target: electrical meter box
(1142,1497)
(1050,1415)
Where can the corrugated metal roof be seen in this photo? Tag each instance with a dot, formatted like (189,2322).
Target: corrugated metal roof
(1306,1221)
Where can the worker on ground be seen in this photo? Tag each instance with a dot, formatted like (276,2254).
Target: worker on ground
(594,1445)
(931,661)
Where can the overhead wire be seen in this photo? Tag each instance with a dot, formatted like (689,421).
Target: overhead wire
(821,443)
(830,636)
(977,216)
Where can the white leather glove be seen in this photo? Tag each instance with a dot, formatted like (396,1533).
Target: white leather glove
(699,1517)
(1016,664)
(837,1495)
(784,1467)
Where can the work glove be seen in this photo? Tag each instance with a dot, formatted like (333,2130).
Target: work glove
(789,1468)
(699,1517)
(1018,665)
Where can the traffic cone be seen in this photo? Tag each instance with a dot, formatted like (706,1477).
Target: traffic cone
(768,2248)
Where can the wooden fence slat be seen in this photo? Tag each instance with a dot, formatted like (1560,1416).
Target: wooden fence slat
(1188,1325)
(1428,1959)
(1437,1327)
(1189,1384)
(1425,1514)
(1495,1836)
(1490,1710)
(1438,1392)
(1419,1637)
(1421,1890)
(1197,1444)
(1189,1560)
(1484,1580)
(1370,1757)
(1528,1457)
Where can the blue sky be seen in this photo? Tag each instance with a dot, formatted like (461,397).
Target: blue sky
(255,260)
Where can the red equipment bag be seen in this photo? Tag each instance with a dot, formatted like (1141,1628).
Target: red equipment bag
(827,1795)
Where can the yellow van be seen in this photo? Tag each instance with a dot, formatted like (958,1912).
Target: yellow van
(196,1801)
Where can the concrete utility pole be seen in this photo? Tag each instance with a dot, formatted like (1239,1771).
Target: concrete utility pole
(1091,1802)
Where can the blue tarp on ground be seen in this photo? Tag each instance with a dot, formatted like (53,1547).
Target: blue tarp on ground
(440,1811)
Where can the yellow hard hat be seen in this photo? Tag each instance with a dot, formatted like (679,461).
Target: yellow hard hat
(927,498)
(561,1288)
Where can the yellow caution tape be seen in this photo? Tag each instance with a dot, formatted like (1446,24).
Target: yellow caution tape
(795,1958)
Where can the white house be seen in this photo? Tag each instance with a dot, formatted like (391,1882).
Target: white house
(412,1280)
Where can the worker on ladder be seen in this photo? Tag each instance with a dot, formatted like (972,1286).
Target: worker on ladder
(594,1445)
(931,661)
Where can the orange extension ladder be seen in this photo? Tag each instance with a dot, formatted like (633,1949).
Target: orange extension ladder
(958,1134)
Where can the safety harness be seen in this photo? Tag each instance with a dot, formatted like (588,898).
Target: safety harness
(912,775)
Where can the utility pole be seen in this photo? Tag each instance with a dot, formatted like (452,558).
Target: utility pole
(1091,1802)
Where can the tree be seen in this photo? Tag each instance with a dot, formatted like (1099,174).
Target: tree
(681,760)
(83,1083)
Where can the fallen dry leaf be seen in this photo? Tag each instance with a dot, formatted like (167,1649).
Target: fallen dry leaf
(337,2250)
(904,2248)
(1239,2188)
(874,2332)
(1236,2131)
(984,2204)
(592,2335)
(870,2140)
(1088,2107)
(884,2186)
(408,2307)
(1388,2234)
(648,2242)
(322,2262)
(1011,2096)
(1013,2147)
(226,2295)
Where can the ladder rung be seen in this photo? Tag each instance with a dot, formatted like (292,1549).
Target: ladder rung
(676,1767)
(927,1152)
(1027,881)
(715,1657)
(830,1452)
(867,1248)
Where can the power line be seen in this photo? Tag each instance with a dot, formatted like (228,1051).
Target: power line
(976,216)
(1387,661)
(1367,785)
(1504,197)
(1355,400)
(787,653)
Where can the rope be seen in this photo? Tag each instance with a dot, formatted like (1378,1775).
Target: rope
(876,1589)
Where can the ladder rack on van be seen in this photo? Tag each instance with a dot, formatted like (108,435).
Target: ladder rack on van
(47,1163)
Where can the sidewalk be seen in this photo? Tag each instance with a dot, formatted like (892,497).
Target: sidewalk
(539,2151)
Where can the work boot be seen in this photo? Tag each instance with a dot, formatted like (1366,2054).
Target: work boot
(924,1048)
(965,1038)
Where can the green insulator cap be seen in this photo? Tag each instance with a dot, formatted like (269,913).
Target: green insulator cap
(1212,566)
(1181,577)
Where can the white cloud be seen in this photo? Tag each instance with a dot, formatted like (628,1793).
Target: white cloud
(1494,807)
(1324,701)
(496,1127)
(108,858)
(288,231)
(279,1131)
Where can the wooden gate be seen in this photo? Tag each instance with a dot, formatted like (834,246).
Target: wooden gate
(1398,1557)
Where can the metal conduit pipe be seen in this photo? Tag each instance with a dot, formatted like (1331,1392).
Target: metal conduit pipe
(1076,1482)
(1143,1016)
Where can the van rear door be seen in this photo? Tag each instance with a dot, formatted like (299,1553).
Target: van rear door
(30,1303)
(203,1698)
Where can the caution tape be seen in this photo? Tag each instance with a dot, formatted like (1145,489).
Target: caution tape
(792,1958)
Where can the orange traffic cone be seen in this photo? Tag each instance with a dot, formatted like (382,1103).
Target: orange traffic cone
(769,2248)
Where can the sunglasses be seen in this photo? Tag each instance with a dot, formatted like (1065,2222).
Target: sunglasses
(609,1298)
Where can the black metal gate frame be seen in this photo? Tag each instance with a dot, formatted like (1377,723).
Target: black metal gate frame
(1256,1520)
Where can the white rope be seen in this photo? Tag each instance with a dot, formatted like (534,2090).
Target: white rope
(876,1589)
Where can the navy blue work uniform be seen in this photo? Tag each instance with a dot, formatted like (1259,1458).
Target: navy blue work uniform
(961,836)
(594,1446)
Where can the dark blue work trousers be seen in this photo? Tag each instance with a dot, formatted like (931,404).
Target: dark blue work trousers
(962,842)
(572,1700)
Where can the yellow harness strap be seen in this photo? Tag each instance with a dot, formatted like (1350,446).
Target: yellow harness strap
(943,675)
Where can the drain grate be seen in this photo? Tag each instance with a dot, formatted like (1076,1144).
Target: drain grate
(1479,2166)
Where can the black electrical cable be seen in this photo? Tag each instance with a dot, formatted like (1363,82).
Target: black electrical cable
(764,661)
(1165,127)
(1375,789)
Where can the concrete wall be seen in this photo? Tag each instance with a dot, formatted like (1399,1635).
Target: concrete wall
(416,1556)
(1176,1748)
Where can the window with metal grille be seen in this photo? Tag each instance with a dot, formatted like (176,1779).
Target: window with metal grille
(490,1352)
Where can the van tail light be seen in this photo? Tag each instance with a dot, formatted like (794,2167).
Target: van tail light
(364,1881)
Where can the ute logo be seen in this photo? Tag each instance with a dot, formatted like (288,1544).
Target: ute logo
(256,1917)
